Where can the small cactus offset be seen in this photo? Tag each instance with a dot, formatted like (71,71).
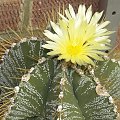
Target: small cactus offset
(66,76)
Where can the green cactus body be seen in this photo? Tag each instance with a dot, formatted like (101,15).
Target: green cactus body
(108,74)
(51,90)
(69,85)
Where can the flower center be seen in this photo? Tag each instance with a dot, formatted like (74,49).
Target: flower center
(73,50)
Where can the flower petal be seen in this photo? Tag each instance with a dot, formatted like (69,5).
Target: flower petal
(79,38)
(96,17)
(104,24)
(56,28)
(89,14)
(72,12)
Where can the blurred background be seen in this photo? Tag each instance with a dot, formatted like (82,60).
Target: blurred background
(21,14)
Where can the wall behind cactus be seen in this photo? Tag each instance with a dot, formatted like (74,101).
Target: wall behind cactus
(14,13)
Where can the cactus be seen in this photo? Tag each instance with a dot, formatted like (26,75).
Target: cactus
(46,84)
(35,86)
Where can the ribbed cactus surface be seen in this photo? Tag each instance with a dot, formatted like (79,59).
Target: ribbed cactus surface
(35,86)
(38,87)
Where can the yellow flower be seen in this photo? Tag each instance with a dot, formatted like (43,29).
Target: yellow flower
(78,37)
